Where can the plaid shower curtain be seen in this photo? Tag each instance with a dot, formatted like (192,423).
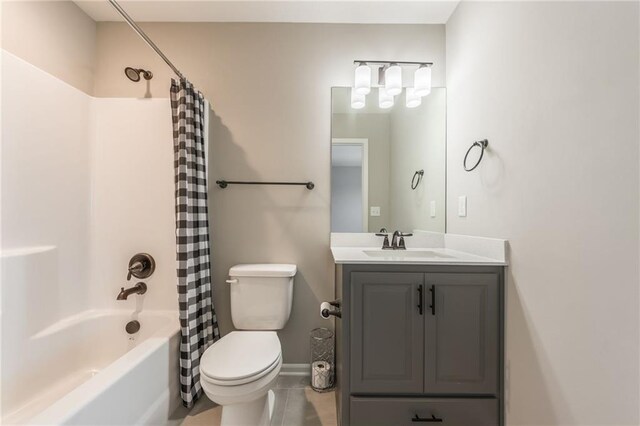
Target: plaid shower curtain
(198,321)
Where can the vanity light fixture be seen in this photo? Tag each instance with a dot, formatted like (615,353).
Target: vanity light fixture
(390,82)
(385,100)
(357,99)
(393,79)
(413,100)
(362,79)
(422,80)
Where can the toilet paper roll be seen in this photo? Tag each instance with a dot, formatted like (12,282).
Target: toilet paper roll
(327,306)
(321,375)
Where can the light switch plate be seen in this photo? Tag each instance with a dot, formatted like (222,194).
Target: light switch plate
(375,211)
(462,206)
(432,208)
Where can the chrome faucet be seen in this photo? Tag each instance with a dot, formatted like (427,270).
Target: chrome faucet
(140,288)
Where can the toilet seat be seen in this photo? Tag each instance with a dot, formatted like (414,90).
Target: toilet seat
(241,357)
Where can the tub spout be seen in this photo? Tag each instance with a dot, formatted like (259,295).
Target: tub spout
(140,288)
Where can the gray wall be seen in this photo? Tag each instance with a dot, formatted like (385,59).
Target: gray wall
(554,87)
(346,199)
(55,36)
(270,90)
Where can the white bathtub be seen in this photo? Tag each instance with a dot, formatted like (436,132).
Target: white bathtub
(86,370)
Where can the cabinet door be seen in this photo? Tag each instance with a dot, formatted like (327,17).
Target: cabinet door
(462,333)
(387,333)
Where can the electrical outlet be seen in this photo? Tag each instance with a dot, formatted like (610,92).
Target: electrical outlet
(375,211)
(432,208)
(462,206)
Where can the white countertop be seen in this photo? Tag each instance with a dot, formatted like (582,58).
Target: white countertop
(425,248)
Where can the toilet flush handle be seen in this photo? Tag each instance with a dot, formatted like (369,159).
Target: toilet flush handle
(234,281)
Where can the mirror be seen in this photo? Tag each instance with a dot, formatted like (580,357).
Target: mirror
(388,165)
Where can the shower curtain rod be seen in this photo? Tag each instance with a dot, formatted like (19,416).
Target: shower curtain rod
(144,36)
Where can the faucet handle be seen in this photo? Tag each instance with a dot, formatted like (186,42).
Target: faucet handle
(135,268)
(401,245)
(385,243)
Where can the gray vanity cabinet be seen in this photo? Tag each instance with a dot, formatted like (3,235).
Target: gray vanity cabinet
(387,333)
(422,340)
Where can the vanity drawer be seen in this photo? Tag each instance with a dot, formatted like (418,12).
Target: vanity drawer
(402,411)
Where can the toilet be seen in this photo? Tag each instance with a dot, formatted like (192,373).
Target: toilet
(239,370)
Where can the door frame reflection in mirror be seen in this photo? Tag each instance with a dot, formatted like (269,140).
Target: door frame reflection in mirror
(364,143)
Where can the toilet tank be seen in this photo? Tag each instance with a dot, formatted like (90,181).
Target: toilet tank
(261,295)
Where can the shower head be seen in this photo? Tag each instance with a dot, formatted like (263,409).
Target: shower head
(133,74)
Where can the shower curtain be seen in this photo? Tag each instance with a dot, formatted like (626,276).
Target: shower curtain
(198,322)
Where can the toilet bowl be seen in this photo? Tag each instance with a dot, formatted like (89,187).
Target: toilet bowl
(239,370)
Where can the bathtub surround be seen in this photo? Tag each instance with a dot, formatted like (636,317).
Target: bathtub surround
(127,219)
(554,87)
(198,322)
(67,252)
(35,213)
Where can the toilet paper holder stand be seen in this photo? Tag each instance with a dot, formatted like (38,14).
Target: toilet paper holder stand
(328,309)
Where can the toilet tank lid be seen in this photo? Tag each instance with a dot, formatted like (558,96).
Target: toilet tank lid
(263,270)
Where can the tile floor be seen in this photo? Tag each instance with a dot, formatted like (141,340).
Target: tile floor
(296,405)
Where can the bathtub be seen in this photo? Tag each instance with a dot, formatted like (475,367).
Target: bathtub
(86,370)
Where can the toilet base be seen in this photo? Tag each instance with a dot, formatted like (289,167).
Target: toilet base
(257,412)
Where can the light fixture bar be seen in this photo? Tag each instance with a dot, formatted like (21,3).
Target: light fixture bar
(358,61)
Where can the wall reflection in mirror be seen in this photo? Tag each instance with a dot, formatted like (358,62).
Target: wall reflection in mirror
(388,165)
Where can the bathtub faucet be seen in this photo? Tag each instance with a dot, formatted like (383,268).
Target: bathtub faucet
(140,288)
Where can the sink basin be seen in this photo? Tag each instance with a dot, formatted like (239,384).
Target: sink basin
(397,254)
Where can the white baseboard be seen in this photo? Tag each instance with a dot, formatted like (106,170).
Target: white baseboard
(295,370)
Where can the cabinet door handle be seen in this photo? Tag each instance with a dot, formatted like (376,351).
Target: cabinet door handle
(420,300)
(433,419)
(433,299)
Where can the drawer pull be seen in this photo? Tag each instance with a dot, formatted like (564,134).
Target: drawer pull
(420,298)
(433,419)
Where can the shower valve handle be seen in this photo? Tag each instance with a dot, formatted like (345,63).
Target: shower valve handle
(135,268)
(141,266)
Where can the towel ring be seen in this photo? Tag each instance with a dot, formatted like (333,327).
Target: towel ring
(483,145)
(418,174)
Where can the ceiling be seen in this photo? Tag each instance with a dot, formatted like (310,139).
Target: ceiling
(309,11)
